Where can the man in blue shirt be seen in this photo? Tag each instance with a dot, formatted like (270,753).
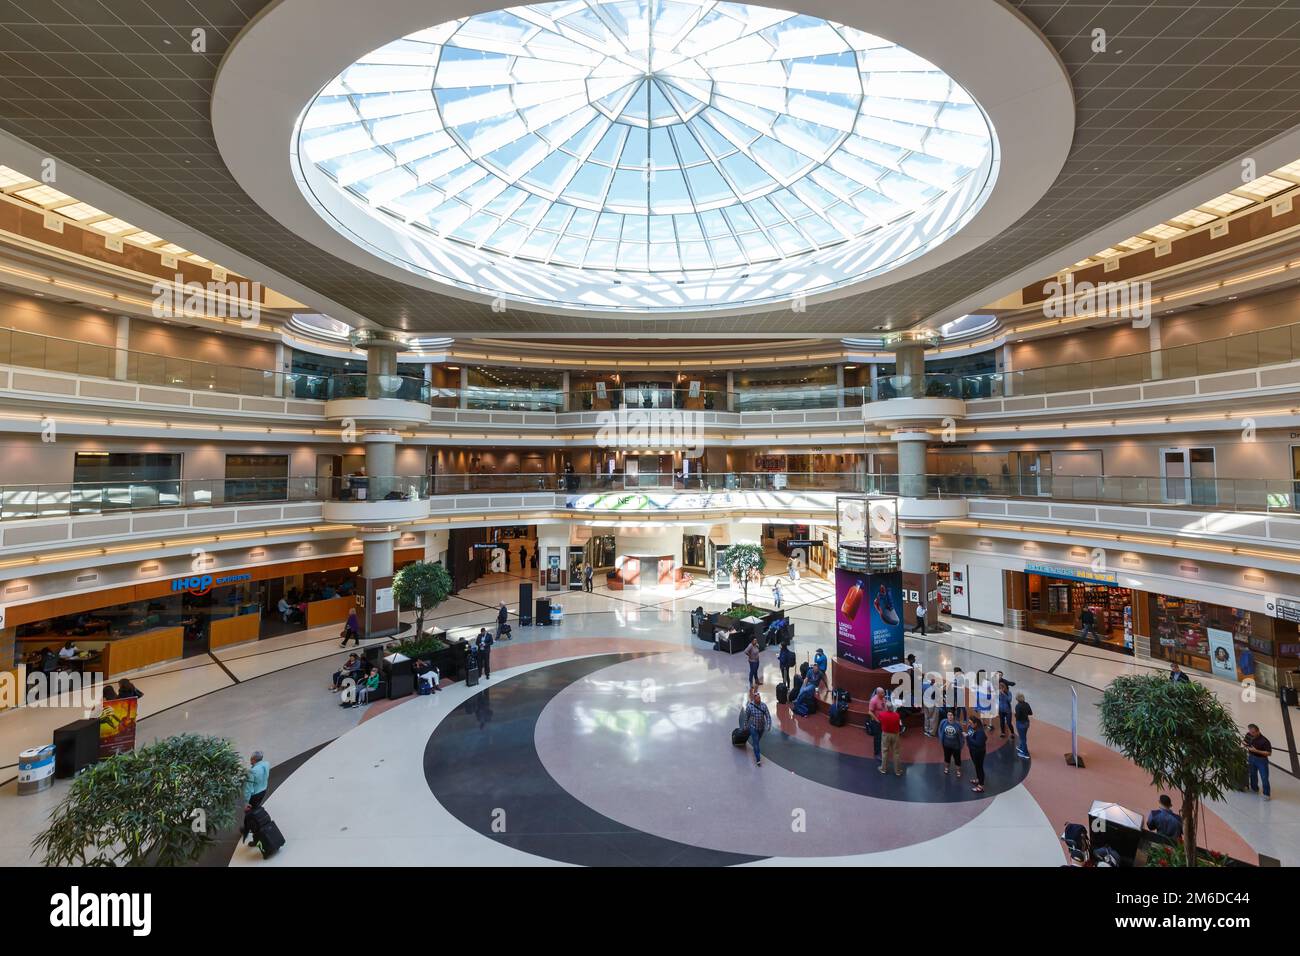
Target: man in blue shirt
(259,775)
(1164,821)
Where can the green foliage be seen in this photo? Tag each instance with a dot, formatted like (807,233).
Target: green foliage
(423,646)
(744,560)
(138,808)
(422,585)
(1174,855)
(739,611)
(1179,733)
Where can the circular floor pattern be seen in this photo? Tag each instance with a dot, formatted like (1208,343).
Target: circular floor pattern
(625,758)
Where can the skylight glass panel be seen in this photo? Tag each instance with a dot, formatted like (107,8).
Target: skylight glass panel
(1193,218)
(680,135)
(11,177)
(43,195)
(1164,232)
(113,227)
(1265,186)
(1225,204)
(79,211)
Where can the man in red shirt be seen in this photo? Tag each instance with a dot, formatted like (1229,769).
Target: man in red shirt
(891,725)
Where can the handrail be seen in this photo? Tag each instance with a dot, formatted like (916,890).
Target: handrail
(1265,495)
(1247,350)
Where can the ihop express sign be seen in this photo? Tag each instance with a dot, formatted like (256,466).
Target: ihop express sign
(203,583)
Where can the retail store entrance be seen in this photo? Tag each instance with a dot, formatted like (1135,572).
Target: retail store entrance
(1060,597)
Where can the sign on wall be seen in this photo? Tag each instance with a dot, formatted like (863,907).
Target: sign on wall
(1086,575)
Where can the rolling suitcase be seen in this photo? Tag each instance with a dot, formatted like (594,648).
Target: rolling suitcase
(269,839)
(838,714)
(739,737)
(1290,695)
(782,693)
(797,682)
(471,677)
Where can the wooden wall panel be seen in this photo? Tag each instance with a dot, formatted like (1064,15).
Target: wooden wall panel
(329,611)
(152,647)
(234,630)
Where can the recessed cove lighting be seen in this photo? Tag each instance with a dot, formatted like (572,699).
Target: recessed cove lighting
(685,155)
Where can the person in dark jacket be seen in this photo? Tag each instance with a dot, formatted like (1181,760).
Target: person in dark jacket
(785,660)
(484,647)
(503,615)
(126,689)
(1164,820)
(951,737)
(1086,621)
(977,743)
(1022,713)
(1177,676)
(1006,720)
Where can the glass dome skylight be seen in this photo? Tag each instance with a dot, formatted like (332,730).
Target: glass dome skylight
(645,154)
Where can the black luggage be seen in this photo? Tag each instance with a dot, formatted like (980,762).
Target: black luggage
(254,820)
(1290,694)
(841,697)
(269,839)
(471,677)
(782,693)
(739,737)
(838,714)
(797,682)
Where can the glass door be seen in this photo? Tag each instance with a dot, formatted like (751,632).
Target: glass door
(1175,476)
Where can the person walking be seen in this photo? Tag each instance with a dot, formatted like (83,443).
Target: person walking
(259,776)
(891,725)
(875,707)
(588,574)
(522,553)
(484,647)
(1022,713)
(351,630)
(930,705)
(1086,621)
(977,743)
(1177,676)
(751,654)
(776,594)
(1258,750)
(785,661)
(1005,717)
(792,570)
(921,611)
(758,719)
(951,737)
(503,615)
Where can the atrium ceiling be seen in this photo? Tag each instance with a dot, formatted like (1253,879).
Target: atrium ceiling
(113,88)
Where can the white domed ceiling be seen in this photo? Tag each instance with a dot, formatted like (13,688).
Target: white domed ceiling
(645,156)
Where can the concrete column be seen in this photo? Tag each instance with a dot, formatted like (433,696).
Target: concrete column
(280,369)
(1153,341)
(873,373)
(916,550)
(564,387)
(381,461)
(839,386)
(464,386)
(377,556)
(377,580)
(731,388)
(911,446)
(910,362)
(122,345)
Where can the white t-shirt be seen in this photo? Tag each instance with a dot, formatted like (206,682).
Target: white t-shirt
(67,653)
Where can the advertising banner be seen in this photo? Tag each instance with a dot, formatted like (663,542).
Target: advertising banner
(869,617)
(117,727)
(1223,661)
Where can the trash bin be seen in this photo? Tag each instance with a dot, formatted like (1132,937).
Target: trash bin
(557,614)
(36,769)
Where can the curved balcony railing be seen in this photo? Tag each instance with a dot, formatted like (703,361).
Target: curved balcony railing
(71,500)
(53,354)
(407,388)
(888,387)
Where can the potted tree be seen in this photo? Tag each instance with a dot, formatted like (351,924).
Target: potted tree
(1181,735)
(160,805)
(743,560)
(422,585)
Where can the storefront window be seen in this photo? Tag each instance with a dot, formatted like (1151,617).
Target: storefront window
(694,551)
(1209,638)
(1057,605)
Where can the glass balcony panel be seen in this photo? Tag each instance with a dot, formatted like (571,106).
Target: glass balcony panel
(1242,351)
(28,350)
(1274,346)
(1180,362)
(1211,357)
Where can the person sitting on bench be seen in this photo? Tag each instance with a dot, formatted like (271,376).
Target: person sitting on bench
(806,702)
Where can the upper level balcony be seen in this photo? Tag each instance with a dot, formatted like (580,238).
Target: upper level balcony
(379,399)
(1255,364)
(376,500)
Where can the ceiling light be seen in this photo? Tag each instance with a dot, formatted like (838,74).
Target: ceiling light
(42,195)
(11,177)
(1225,204)
(1264,187)
(79,211)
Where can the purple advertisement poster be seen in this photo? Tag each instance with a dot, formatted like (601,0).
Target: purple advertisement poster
(868,617)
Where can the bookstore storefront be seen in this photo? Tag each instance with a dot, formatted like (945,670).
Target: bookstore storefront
(1057,596)
(1226,642)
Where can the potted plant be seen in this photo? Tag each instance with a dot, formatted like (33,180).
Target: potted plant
(422,585)
(160,805)
(1180,734)
(743,560)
